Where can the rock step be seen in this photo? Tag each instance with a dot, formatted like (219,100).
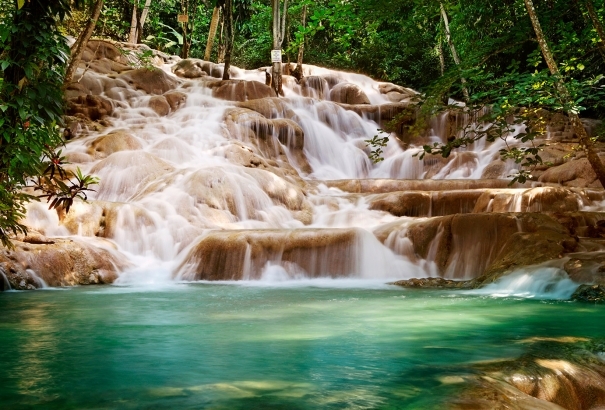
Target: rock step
(420,203)
(246,254)
(391,185)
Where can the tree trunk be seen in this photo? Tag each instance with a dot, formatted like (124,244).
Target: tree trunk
(144,14)
(453,49)
(301,48)
(598,27)
(212,32)
(279,29)
(441,56)
(220,58)
(585,141)
(228,38)
(82,41)
(132,37)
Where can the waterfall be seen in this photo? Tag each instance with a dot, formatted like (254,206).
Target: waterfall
(195,186)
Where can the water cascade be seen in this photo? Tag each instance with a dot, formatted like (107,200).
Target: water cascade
(203,179)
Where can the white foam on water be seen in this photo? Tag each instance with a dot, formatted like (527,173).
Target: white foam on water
(536,283)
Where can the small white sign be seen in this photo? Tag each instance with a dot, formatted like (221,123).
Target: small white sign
(276,56)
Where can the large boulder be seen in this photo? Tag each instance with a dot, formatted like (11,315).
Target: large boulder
(576,173)
(115,141)
(553,374)
(101,49)
(154,81)
(239,90)
(589,294)
(90,107)
(192,68)
(59,262)
(348,93)
(315,87)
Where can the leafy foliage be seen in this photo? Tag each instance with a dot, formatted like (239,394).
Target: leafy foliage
(31,101)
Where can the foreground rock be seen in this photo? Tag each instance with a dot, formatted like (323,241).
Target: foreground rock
(590,294)
(38,261)
(435,283)
(563,373)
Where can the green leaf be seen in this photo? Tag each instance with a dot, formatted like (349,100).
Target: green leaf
(20,4)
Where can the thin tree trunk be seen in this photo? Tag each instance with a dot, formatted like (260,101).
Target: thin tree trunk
(591,153)
(598,26)
(212,32)
(221,44)
(453,49)
(441,56)
(185,48)
(144,14)
(279,30)
(132,38)
(301,48)
(82,41)
(228,38)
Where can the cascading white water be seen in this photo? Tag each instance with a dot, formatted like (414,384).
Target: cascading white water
(538,283)
(180,176)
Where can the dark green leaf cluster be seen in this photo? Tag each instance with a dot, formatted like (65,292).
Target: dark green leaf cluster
(31,102)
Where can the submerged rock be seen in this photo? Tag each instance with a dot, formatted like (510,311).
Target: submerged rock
(590,294)
(435,283)
(563,373)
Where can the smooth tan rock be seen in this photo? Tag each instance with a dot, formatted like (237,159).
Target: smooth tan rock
(116,141)
(175,99)
(100,49)
(485,246)
(553,374)
(541,199)
(154,81)
(315,87)
(422,204)
(576,173)
(61,262)
(391,185)
(236,255)
(239,90)
(159,104)
(193,68)
(348,93)
(386,88)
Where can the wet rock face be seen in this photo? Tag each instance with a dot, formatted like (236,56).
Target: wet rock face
(240,255)
(590,294)
(484,246)
(434,283)
(93,107)
(563,373)
(154,82)
(58,262)
(239,90)
(348,93)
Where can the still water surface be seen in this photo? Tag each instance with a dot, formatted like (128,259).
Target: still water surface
(237,346)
